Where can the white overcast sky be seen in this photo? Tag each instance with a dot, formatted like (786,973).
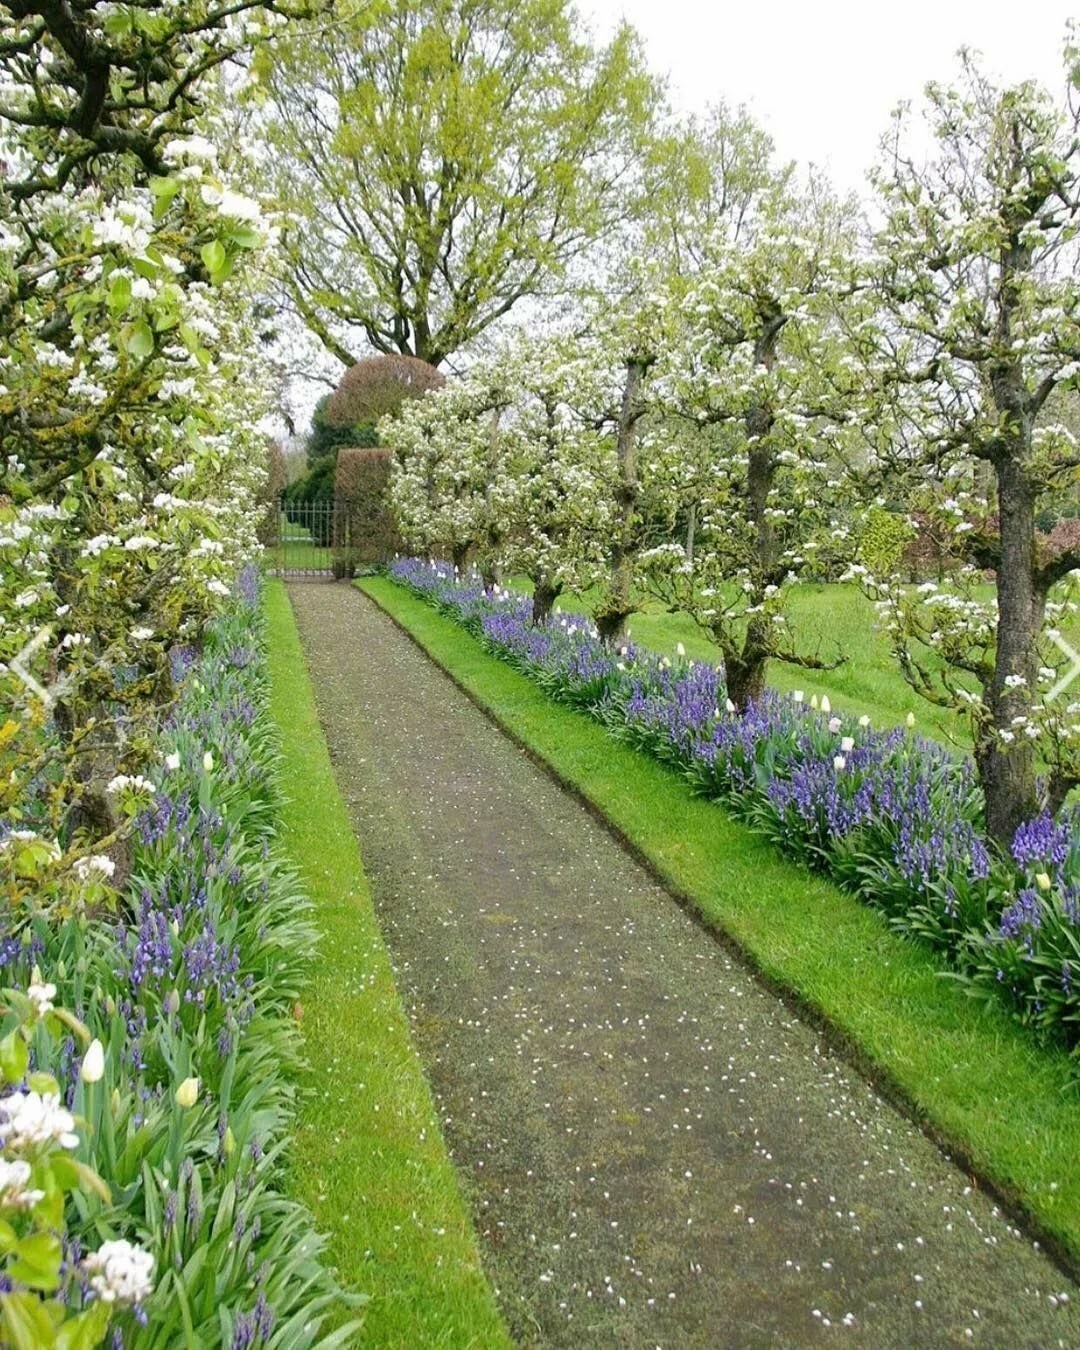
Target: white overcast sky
(822,76)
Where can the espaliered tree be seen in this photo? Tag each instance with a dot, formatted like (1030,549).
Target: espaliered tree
(978,334)
(441,161)
(755,328)
(130,386)
(550,487)
(442,469)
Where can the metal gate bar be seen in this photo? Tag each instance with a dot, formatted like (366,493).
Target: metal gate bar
(307,539)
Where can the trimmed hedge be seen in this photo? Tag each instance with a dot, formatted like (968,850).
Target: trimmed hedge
(361,480)
(377,386)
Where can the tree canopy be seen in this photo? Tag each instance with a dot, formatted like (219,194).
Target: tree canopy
(441,161)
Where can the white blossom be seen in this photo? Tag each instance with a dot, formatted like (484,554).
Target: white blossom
(41,997)
(120,1272)
(31,1119)
(14,1191)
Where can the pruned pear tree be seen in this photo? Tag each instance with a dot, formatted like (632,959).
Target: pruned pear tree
(976,341)
(552,471)
(751,427)
(443,448)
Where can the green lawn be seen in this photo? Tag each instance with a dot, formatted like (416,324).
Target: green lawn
(296,550)
(369,1158)
(972,1075)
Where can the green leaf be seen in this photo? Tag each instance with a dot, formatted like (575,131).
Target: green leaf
(14,1057)
(119,294)
(72,1174)
(141,342)
(164,191)
(65,1015)
(37,1261)
(214,257)
(25,1322)
(243,236)
(118,24)
(86,1330)
(154,26)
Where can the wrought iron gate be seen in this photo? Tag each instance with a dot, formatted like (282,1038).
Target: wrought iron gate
(308,538)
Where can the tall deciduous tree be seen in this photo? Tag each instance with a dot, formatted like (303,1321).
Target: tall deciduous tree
(705,175)
(975,270)
(441,160)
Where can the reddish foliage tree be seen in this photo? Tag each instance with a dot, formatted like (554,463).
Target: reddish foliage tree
(1063,538)
(378,386)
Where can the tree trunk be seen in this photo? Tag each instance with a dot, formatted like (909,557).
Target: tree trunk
(691,530)
(545,593)
(490,571)
(611,620)
(745,668)
(459,556)
(1007,771)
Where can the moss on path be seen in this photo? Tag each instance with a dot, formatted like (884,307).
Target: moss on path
(657,1151)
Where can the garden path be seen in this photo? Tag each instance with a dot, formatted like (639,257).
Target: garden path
(656,1150)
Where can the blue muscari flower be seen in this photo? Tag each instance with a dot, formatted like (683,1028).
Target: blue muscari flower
(1024,913)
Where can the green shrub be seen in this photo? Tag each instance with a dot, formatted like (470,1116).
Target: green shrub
(883,539)
(316,487)
(325,439)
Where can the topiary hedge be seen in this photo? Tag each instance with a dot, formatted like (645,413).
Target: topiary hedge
(375,387)
(361,480)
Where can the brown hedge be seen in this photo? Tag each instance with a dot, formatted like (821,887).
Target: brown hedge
(277,479)
(376,386)
(361,480)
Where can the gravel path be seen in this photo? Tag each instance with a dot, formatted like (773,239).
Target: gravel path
(657,1152)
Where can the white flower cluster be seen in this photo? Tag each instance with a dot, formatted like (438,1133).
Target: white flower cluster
(133,783)
(41,997)
(95,866)
(32,1120)
(14,1188)
(120,1272)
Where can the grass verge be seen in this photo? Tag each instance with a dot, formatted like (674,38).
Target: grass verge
(368,1156)
(967,1073)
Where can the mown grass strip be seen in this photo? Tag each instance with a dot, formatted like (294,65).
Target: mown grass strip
(368,1158)
(971,1076)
